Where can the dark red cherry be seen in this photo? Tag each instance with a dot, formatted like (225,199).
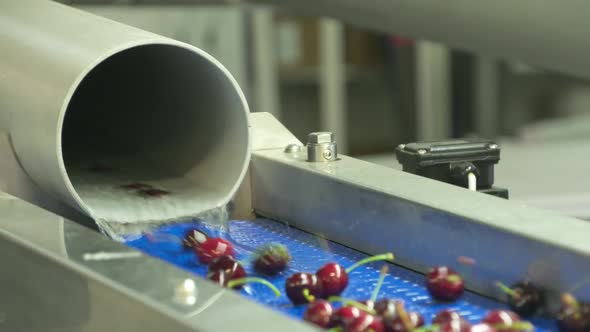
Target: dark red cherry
(220,277)
(523,298)
(345,315)
(444,284)
(272,259)
(502,320)
(398,324)
(193,237)
(212,248)
(482,327)
(296,285)
(365,323)
(153,192)
(459,325)
(334,279)
(573,316)
(229,265)
(319,313)
(136,186)
(446,316)
(387,308)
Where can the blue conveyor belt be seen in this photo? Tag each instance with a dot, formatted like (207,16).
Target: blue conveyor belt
(309,253)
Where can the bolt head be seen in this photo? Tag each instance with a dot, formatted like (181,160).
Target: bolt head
(422,151)
(401,146)
(320,137)
(493,146)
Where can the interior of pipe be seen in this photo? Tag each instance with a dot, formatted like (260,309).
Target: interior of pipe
(160,116)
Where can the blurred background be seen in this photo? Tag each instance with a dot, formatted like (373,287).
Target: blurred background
(375,91)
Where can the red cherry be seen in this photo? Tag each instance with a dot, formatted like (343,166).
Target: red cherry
(319,313)
(229,265)
(365,323)
(444,284)
(459,325)
(334,279)
(505,318)
(387,309)
(212,248)
(482,327)
(272,259)
(296,285)
(193,237)
(220,277)
(415,320)
(345,315)
(445,316)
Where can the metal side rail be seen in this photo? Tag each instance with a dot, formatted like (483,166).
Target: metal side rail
(376,209)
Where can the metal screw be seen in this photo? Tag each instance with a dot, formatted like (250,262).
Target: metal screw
(293,148)
(320,137)
(401,146)
(422,151)
(321,146)
(493,146)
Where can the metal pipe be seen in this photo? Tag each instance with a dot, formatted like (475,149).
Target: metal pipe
(551,34)
(91,105)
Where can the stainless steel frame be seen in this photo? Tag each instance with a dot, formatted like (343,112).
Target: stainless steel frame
(425,223)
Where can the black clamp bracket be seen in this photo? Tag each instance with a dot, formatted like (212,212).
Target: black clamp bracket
(467,163)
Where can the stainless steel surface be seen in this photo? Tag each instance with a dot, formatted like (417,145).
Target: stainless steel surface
(321,146)
(548,33)
(377,209)
(60,276)
(181,122)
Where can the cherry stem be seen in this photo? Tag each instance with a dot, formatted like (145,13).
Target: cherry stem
(383,257)
(384,270)
(515,326)
(434,327)
(353,303)
(242,281)
(507,290)
(403,315)
(310,298)
(335,329)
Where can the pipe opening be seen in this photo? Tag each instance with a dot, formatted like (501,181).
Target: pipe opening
(155,133)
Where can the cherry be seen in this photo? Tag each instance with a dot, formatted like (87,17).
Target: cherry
(458,325)
(334,277)
(482,327)
(213,248)
(365,323)
(345,315)
(193,237)
(225,279)
(229,265)
(573,316)
(444,284)
(220,277)
(136,186)
(411,321)
(524,298)
(272,259)
(303,288)
(387,308)
(446,316)
(319,313)
(506,321)
(153,192)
